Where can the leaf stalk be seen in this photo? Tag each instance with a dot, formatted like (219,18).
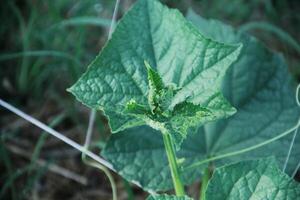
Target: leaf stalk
(204,182)
(175,172)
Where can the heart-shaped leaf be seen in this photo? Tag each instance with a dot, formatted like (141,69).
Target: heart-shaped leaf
(152,33)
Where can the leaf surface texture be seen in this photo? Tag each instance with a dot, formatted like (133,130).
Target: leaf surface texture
(252,180)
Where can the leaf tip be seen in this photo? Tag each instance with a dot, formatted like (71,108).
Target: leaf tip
(233,110)
(239,48)
(72,89)
(147,65)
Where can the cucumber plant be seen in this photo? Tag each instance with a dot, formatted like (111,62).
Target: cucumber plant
(181,96)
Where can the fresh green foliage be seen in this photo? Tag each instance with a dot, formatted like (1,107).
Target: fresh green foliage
(261,89)
(159,70)
(161,115)
(167,197)
(160,55)
(189,69)
(257,179)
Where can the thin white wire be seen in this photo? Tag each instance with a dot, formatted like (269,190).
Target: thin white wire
(290,149)
(296,170)
(113,22)
(298,102)
(55,134)
(297,95)
(82,149)
(294,136)
(90,128)
(92,115)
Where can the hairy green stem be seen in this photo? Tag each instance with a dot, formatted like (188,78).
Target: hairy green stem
(241,151)
(204,182)
(169,146)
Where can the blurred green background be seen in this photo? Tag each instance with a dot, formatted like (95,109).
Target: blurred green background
(47,44)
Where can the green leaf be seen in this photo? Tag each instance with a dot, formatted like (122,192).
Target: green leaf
(261,89)
(188,114)
(167,197)
(125,120)
(178,53)
(138,154)
(257,179)
(156,87)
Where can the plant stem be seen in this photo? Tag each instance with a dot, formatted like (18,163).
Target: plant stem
(169,146)
(204,182)
(110,177)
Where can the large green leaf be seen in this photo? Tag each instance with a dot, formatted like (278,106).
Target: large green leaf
(252,180)
(155,34)
(262,90)
(167,197)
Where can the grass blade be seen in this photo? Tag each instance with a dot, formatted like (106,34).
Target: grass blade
(38,53)
(8,165)
(283,35)
(83,21)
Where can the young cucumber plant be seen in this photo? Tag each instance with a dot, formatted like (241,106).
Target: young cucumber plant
(172,105)
(159,80)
